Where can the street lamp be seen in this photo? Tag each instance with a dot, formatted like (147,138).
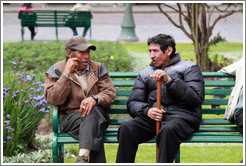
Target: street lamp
(128,26)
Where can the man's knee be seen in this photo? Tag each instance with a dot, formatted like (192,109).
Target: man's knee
(125,129)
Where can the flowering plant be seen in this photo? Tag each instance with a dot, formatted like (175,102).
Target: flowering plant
(23,109)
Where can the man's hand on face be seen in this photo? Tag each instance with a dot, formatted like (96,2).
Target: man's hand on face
(155,113)
(86,106)
(159,75)
(71,64)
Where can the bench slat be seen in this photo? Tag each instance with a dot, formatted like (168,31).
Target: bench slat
(215,122)
(216,83)
(205,102)
(216,111)
(203,122)
(208,83)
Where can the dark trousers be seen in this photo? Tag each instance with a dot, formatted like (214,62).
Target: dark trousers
(32,30)
(88,130)
(239,121)
(139,130)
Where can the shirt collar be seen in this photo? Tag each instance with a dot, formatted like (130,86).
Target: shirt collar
(86,70)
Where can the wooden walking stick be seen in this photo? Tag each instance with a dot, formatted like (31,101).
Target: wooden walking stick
(158,124)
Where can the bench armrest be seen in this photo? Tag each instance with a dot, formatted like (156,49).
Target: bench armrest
(55,119)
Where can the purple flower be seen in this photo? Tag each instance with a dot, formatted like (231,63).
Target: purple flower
(39,89)
(28,77)
(31,89)
(15,63)
(6,89)
(22,75)
(40,84)
(23,80)
(7,122)
(8,128)
(33,76)
(21,66)
(23,90)
(46,111)
(5,94)
(4,142)
(42,110)
(38,97)
(8,137)
(48,107)
(37,104)
(3,112)
(14,94)
(8,116)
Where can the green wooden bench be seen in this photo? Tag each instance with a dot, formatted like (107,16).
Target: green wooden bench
(212,130)
(55,18)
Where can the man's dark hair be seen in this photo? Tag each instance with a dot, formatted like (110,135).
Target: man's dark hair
(164,41)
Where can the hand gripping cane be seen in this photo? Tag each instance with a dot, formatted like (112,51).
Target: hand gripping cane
(158,124)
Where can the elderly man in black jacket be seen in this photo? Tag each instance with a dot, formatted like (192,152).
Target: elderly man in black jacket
(181,97)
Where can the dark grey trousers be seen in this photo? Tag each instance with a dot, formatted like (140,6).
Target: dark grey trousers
(132,133)
(88,130)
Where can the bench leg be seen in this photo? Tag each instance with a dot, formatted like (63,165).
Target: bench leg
(61,153)
(55,148)
(177,157)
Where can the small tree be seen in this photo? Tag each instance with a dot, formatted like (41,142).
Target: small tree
(198,17)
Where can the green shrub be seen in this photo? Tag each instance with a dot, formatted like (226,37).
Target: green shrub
(39,56)
(23,108)
(43,155)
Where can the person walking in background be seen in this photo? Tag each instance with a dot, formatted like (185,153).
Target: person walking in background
(28,6)
(80,7)
(83,92)
(180,114)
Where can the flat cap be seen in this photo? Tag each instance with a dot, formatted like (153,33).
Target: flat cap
(79,43)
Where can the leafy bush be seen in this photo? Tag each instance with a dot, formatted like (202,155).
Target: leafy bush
(113,55)
(43,155)
(40,56)
(23,108)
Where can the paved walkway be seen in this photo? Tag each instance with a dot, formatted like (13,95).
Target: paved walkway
(106,24)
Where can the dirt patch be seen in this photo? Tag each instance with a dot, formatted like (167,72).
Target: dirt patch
(44,128)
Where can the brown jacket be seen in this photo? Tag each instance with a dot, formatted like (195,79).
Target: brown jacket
(67,93)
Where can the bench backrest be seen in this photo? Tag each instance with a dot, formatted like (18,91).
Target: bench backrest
(56,18)
(218,87)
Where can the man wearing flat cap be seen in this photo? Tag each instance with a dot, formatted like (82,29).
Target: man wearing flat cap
(83,92)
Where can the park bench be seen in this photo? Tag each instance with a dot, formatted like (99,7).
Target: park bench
(55,18)
(213,128)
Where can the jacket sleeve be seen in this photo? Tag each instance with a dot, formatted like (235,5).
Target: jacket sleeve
(57,87)
(188,91)
(106,89)
(137,104)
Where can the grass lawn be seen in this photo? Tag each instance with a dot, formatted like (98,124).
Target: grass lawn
(190,153)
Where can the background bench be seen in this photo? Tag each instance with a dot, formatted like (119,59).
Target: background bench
(213,128)
(55,18)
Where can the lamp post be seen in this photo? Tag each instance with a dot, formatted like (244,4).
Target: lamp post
(128,26)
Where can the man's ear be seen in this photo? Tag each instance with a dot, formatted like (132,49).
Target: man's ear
(69,53)
(169,50)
